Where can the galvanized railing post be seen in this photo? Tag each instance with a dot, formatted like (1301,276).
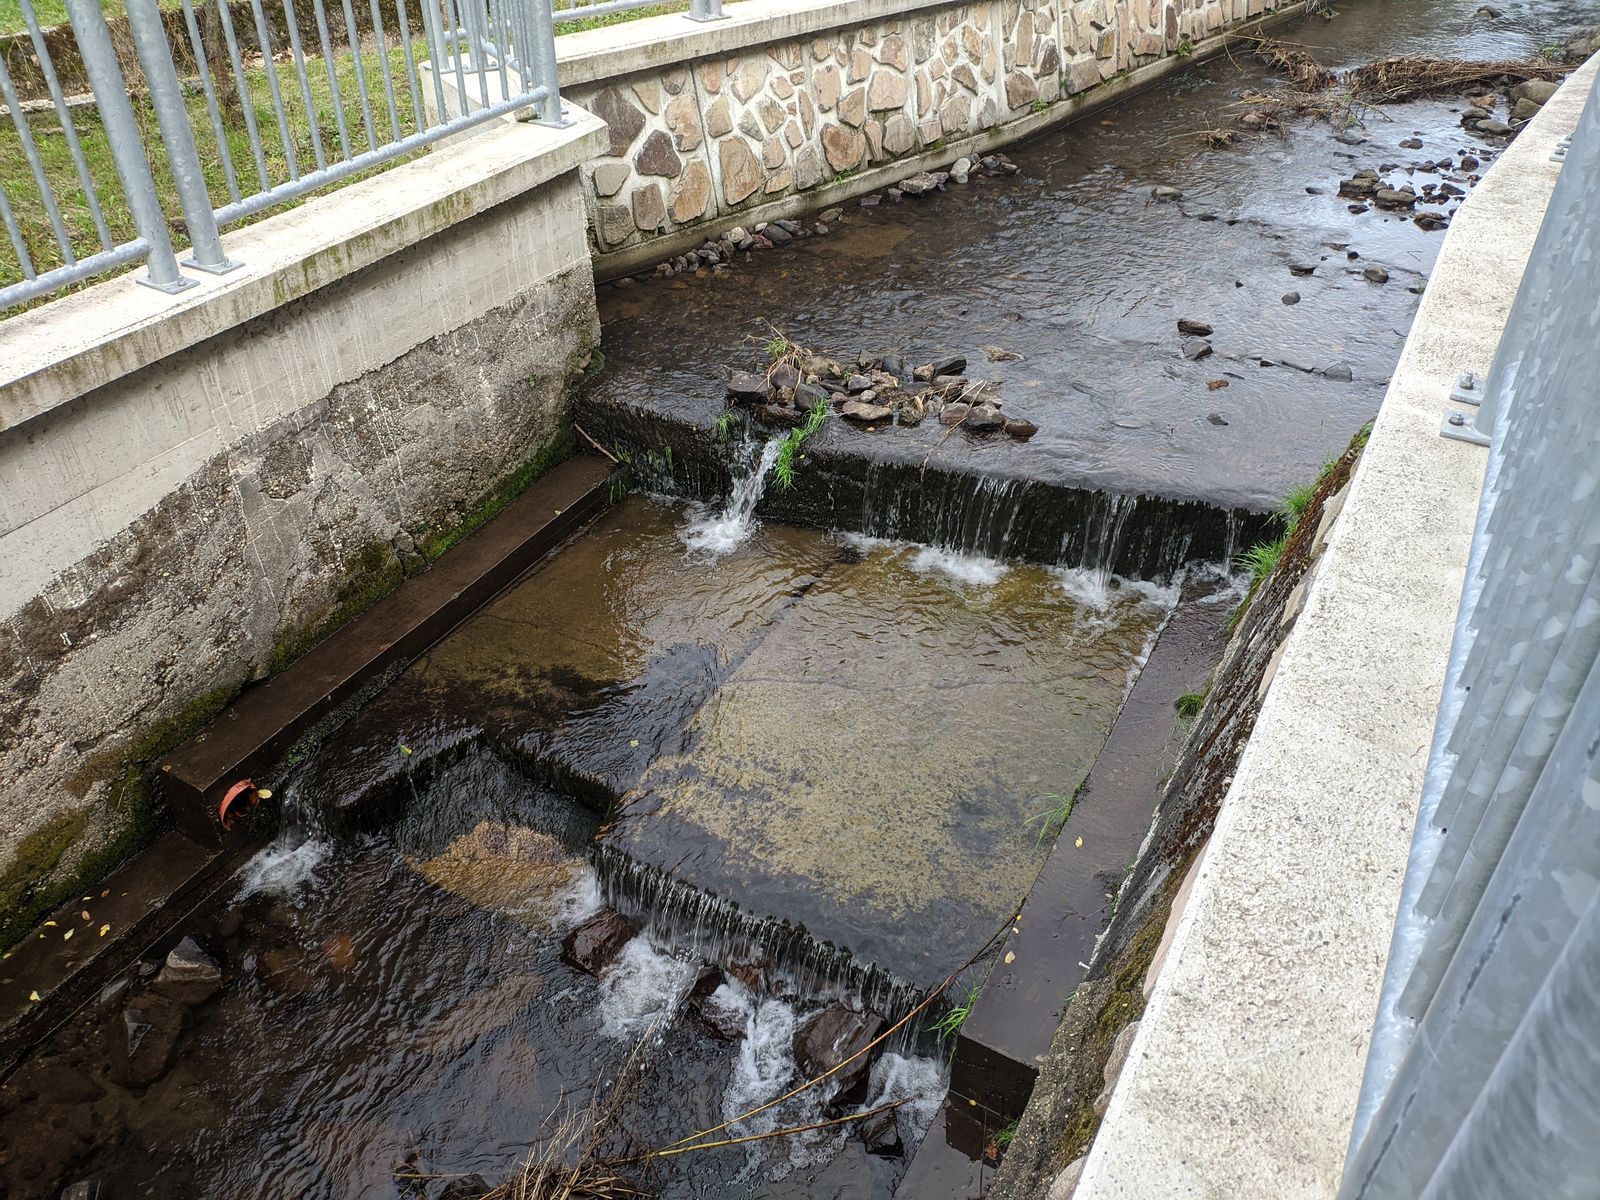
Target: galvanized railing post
(127,147)
(705,10)
(177,135)
(538,59)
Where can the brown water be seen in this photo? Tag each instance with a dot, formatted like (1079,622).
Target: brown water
(821,755)
(1072,266)
(818,755)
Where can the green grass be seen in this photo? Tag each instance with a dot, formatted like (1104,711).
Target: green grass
(725,424)
(1184,48)
(1261,559)
(1005,1137)
(1190,703)
(783,466)
(54,12)
(17,179)
(1040,106)
(949,1023)
(1053,820)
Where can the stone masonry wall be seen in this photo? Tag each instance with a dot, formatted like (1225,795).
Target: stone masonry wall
(697,142)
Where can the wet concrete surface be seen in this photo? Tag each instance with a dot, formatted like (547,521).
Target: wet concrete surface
(833,733)
(1072,265)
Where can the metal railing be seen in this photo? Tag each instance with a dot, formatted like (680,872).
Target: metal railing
(1483,1079)
(255,94)
(566,12)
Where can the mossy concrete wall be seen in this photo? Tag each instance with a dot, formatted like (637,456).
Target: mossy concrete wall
(196,523)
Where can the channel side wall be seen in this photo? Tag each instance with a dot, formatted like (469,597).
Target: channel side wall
(194,488)
(1242,1077)
(786,107)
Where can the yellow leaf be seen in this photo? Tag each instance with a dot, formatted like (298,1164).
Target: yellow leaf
(48,924)
(33,995)
(264,793)
(66,936)
(104,929)
(405,749)
(1011,957)
(1079,842)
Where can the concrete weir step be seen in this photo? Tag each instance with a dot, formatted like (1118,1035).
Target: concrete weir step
(143,904)
(265,721)
(1005,1037)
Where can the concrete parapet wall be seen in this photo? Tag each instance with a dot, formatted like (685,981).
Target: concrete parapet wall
(782,107)
(193,488)
(1242,1078)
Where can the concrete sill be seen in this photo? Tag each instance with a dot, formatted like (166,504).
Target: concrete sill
(65,349)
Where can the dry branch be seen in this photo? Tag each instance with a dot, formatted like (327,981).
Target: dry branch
(1393,80)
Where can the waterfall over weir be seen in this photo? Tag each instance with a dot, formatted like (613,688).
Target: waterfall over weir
(846,486)
(680,914)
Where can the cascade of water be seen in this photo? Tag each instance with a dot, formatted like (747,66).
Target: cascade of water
(716,930)
(290,859)
(719,532)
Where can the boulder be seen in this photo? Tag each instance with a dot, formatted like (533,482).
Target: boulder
(1020,429)
(865,411)
(151,1026)
(881,1135)
(984,418)
(1390,198)
(190,975)
(826,1039)
(746,387)
(594,945)
(1540,91)
(808,395)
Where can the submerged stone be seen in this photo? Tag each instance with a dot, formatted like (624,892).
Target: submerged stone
(828,1038)
(595,945)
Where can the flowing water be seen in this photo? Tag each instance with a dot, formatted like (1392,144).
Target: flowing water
(809,767)
(1071,266)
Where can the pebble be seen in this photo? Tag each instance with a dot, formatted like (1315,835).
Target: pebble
(1165,194)
(1376,274)
(1302,268)
(1196,349)
(1494,128)
(1291,298)
(1339,373)
(1193,328)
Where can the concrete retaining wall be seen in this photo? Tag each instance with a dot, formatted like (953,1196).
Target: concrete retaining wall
(193,488)
(783,107)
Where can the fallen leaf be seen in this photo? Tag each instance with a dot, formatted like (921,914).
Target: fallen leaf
(104,929)
(1079,842)
(105,893)
(84,915)
(1011,957)
(48,924)
(33,995)
(405,749)
(264,793)
(1216,385)
(66,936)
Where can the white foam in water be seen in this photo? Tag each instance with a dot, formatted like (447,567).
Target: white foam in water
(920,1081)
(579,901)
(971,570)
(281,868)
(1100,590)
(721,532)
(643,984)
(765,1064)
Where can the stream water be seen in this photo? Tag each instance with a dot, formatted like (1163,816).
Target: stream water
(811,769)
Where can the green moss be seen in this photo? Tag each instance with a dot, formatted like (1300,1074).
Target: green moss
(374,573)
(27,891)
(430,545)
(1123,1006)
